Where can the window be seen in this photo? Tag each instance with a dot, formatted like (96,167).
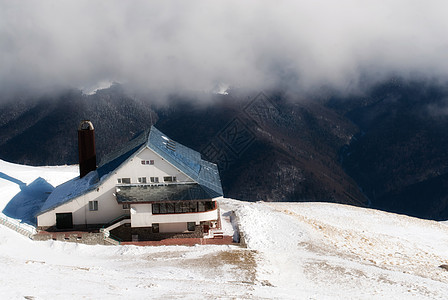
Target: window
(206,206)
(124,180)
(179,207)
(169,208)
(191,226)
(183,207)
(93,205)
(201,206)
(169,178)
(142,180)
(154,179)
(162,208)
(193,207)
(155,208)
(209,205)
(126,206)
(151,162)
(143,162)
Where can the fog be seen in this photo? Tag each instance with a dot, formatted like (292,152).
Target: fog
(177,46)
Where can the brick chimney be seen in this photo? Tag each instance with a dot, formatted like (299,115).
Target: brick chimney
(86,148)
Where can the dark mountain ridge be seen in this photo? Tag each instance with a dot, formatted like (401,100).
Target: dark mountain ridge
(402,147)
(386,147)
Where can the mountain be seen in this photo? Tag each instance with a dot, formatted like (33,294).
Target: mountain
(399,158)
(269,147)
(266,146)
(385,148)
(43,131)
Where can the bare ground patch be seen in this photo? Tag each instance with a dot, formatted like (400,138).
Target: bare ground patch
(240,263)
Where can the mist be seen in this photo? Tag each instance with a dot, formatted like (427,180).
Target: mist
(176,46)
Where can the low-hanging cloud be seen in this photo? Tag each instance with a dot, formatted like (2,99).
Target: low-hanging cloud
(197,45)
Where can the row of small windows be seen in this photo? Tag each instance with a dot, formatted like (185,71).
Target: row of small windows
(144,179)
(93,205)
(182,207)
(147,162)
(170,208)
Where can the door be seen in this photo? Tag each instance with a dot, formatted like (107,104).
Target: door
(64,221)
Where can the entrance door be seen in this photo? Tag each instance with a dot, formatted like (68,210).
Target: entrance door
(64,221)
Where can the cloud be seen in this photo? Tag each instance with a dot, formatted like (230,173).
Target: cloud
(198,45)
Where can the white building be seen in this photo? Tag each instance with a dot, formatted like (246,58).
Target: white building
(151,183)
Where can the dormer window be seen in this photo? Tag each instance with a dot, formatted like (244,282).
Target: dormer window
(170,144)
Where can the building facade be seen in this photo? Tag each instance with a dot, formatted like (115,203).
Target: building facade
(152,182)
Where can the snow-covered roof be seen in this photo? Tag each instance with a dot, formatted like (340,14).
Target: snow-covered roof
(70,190)
(183,158)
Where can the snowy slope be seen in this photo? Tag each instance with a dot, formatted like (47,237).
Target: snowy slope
(295,250)
(332,250)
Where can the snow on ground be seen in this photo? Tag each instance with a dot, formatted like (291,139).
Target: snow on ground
(24,189)
(49,270)
(330,250)
(295,250)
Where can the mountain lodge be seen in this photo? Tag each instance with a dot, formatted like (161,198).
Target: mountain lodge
(152,185)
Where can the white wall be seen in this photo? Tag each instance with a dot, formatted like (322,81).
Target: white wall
(141,216)
(108,207)
(134,168)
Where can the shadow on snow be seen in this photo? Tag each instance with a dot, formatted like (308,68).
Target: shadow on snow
(28,202)
(12,179)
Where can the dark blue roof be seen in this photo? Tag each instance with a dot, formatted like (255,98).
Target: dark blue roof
(183,158)
(186,160)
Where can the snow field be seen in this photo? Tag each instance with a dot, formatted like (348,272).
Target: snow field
(295,251)
(331,250)
(11,175)
(56,270)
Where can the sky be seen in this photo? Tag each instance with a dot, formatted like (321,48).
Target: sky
(201,45)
